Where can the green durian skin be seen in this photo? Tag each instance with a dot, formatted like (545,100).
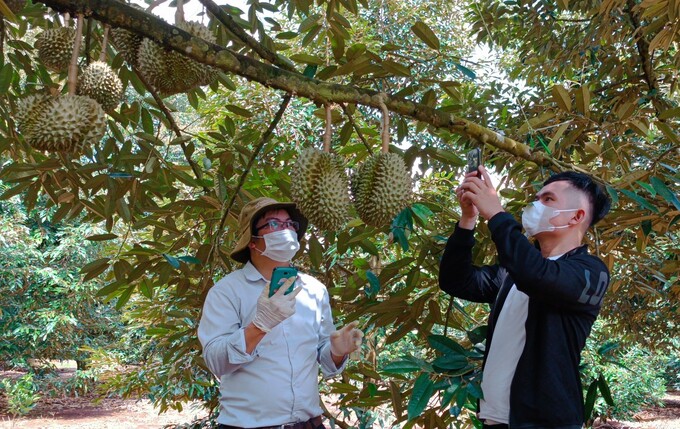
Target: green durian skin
(99,82)
(68,123)
(381,188)
(171,72)
(319,187)
(55,48)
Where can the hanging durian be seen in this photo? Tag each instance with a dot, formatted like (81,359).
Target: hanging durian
(99,82)
(319,185)
(171,72)
(27,111)
(55,47)
(381,187)
(65,123)
(126,42)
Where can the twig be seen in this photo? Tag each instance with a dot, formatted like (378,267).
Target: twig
(239,32)
(73,66)
(173,125)
(356,128)
(105,42)
(242,179)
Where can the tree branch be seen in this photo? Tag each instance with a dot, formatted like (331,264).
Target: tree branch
(246,38)
(121,15)
(173,125)
(256,151)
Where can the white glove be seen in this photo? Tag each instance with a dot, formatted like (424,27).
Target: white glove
(346,340)
(275,309)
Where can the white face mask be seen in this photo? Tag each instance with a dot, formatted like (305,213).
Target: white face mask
(281,245)
(536,218)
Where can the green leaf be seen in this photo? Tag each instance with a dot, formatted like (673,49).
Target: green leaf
(373,284)
(307,59)
(604,389)
(422,212)
(401,367)
(95,265)
(171,260)
(450,361)
(665,193)
(466,71)
(124,297)
(590,399)
(638,199)
(190,260)
(445,345)
(424,33)
(315,251)
(147,122)
(423,389)
(6,76)
(239,110)
(101,237)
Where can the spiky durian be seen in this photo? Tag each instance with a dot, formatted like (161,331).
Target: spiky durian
(381,188)
(319,187)
(99,82)
(171,72)
(67,123)
(126,43)
(55,47)
(27,111)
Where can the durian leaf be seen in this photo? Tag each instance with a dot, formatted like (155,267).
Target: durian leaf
(6,76)
(373,286)
(315,252)
(425,34)
(423,389)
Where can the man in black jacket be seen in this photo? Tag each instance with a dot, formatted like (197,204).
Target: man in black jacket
(543,299)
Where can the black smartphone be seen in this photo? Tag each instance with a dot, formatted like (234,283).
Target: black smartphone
(474,160)
(279,276)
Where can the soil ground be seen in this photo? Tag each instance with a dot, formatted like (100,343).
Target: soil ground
(85,412)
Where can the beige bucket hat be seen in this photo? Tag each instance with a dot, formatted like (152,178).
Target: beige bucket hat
(251,211)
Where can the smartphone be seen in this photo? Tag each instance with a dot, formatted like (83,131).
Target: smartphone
(474,160)
(279,276)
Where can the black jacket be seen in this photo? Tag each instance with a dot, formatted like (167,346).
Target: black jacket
(564,300)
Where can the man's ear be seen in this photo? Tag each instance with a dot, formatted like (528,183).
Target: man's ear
(580,216)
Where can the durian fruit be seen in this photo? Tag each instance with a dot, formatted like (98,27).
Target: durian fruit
(55,47)
(27,111)
(171,72)
(99,82)
(126,43)
(319,188)
(67,123)
(381,188)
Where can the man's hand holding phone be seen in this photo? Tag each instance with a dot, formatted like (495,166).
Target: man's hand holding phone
(272,310)
(481,193)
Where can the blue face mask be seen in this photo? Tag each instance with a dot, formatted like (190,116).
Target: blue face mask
(536,218)
(281,245)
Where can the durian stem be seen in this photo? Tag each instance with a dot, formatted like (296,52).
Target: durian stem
(73,67)
(105,42)
(329,129)
(385,131)
(179,13)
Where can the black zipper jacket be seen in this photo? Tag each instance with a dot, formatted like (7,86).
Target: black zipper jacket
(564,299)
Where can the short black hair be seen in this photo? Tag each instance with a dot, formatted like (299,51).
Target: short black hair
(596,193)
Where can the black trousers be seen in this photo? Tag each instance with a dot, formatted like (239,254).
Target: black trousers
(498,426)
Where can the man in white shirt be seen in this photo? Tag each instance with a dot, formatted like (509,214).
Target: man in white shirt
(266,351)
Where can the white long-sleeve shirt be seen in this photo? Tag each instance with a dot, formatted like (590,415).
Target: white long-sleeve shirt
(278,382)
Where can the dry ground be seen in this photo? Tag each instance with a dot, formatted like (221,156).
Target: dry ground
(115,413)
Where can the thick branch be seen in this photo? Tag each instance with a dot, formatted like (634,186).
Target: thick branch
(246,38)
(121,15)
